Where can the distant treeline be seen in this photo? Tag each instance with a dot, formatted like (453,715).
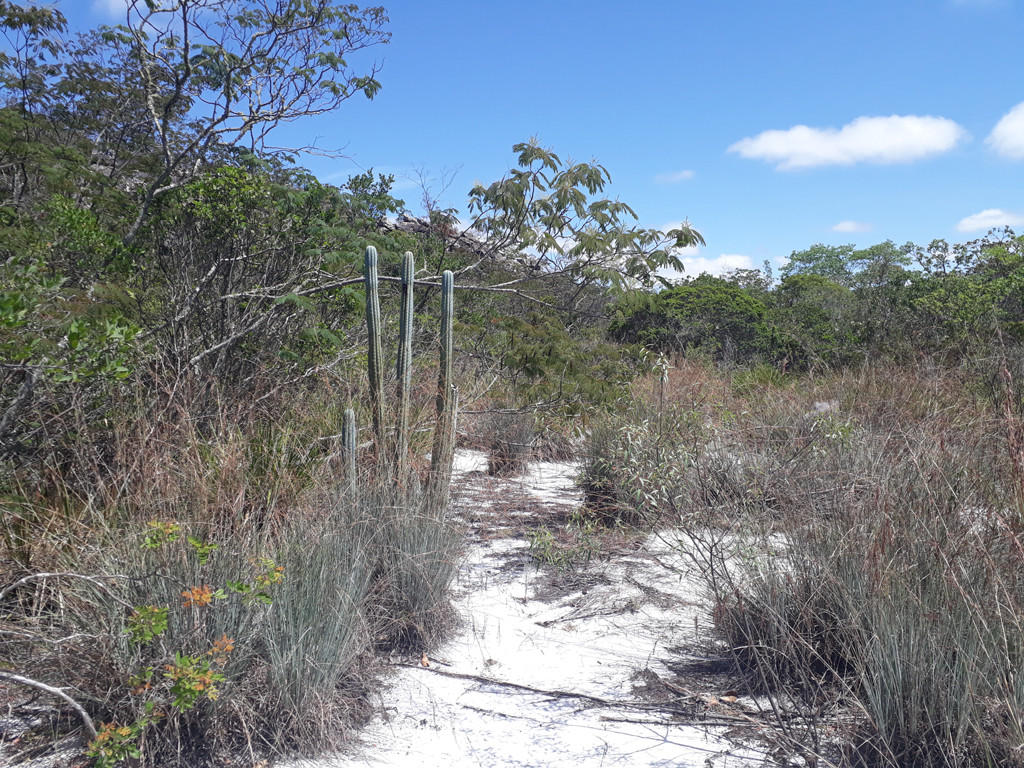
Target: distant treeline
(836,305)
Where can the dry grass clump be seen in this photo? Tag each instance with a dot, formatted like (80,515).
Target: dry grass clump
(277,587)
(862,538)
(513,438)
(508,438)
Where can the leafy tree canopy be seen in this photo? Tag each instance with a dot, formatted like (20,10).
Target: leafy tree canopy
(551,212)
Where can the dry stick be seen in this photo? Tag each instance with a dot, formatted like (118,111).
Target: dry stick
(558,694)
(54,692)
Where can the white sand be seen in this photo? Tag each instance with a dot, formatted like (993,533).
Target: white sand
(591,642)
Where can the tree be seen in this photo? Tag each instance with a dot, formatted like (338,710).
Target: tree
(169,113)
(708,313)
(814,317)
(880,278)
(225,73)
(550,215)
(255,268)
(183,82)
(831,261)
(970,290)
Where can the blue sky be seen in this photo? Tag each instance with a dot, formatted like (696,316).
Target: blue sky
(771,126)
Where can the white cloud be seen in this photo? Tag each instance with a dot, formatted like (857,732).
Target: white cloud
(673,178)
(1007,138)
(695,263)
(110,8)
(988,219)
(881,140)
(851,226)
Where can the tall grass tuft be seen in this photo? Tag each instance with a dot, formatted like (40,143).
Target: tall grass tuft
(509,440)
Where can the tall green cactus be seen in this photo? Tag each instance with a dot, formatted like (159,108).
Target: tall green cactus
(443,451)
(403,368)
(348,448)
(374,357)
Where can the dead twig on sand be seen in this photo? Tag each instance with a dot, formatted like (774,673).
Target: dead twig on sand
(597,701)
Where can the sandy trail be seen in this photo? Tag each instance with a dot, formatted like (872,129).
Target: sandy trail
(551,672)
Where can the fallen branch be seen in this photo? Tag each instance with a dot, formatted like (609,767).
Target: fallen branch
(723,720)
(54,692)
(596,700)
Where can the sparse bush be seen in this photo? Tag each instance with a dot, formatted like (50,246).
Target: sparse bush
(634,461)
(509,438)
(571,547)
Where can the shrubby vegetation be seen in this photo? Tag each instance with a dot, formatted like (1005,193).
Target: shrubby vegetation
(181,331)
(859,536)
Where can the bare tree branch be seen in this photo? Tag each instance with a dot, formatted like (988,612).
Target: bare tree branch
(59,693)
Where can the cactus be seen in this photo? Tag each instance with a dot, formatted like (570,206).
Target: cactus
(403,368)
(348,448)
(444,376)
(374,354)
(447,394)
(447,399)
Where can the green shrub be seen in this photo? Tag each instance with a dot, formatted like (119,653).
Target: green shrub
(706,313)
(634,461)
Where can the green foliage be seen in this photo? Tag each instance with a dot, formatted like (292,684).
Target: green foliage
(367,200)
(57,342)
(187,677)
(116,743)
(160,534)
(146,623)
(48,320)
(548,366)
(191,678)
(202,549)
(720,317)
(759,377)
(642,318)
(836,305)
(260,276)
(548,208)
(953,309)
(574,546)
(829,261)
(709,314)
(636,460)
(969,291)
(815,318)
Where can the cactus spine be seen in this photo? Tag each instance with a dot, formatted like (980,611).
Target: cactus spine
(374,354)
(444,431)
(404,364)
